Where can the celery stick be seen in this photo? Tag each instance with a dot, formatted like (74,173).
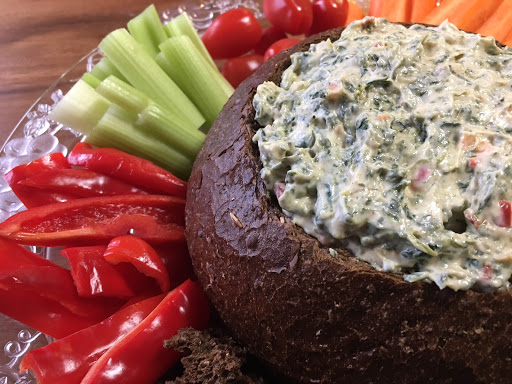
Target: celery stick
(163,63)
(214,72)
(147,29)
(131,99)
(192,73)
(152,117)
(120,133)
(81,108)
(159,122)
(104,68)
(145,75)
(122,94)
(93,81)
(182,25)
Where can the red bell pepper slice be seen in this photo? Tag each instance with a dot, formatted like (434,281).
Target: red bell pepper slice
(15,176)
(67,361)
(20,268)
(79,183)
(45,315)
(129,168)
(94,276)
(96,220)
(25,297)
(141,255)
(14,256)
(177,261)
(140,356)
(505,218)
(55,283)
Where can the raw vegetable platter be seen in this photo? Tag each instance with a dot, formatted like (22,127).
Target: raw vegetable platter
(37,135)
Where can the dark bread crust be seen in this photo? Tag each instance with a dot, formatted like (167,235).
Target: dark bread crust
(311,317)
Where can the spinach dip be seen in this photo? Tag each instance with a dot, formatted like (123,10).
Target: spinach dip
(396,143)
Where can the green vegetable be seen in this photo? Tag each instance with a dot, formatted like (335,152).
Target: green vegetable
(117,127)
(104,68)
(182,26)
(146,102)
(152,118)
(81,108)
(91,80)
(144,74)
(190,70)
(147,29)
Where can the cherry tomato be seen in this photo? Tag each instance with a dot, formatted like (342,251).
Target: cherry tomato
(279,46)
(232,34)
(328,14)
(291,16)
(238,69)
(269,36)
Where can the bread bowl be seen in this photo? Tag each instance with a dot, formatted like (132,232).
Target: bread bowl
(313,312)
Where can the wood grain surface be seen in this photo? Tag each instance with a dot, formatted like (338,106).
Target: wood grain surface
(41,39)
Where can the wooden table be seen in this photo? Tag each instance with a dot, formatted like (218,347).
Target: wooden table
(41,39)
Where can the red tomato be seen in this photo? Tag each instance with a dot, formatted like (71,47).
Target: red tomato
(279,46)
(269,36)
(238,69)
(328,14)
(232,34)
(291,16)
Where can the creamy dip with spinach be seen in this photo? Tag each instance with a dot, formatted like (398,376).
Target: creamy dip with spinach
(397,143)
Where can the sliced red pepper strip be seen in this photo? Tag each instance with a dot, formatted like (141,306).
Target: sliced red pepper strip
(94,276)
(14,256)
(129,168)
(20,268)
(79,183)
(45,315)
(96,220)
(141,255)
(67,361)
(40,294)
(28,197)
(55,283)
(140,356)
(177,261)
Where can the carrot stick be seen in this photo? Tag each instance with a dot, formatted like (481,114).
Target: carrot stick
(499,24)
(354,12)
(467,15)
(508,40)
(421,8)
(398,10)
(376,7)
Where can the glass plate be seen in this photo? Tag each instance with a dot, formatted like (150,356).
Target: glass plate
(35,135)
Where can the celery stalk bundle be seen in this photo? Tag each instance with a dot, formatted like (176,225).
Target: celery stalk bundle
(150,94)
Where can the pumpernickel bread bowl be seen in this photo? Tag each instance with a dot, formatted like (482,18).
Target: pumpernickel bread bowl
(310,316)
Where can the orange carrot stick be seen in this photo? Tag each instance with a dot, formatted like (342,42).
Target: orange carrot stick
(508,40)
(398,10)
(421,8)
(354,12)
(467,15)
(499,24)
(376,7)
